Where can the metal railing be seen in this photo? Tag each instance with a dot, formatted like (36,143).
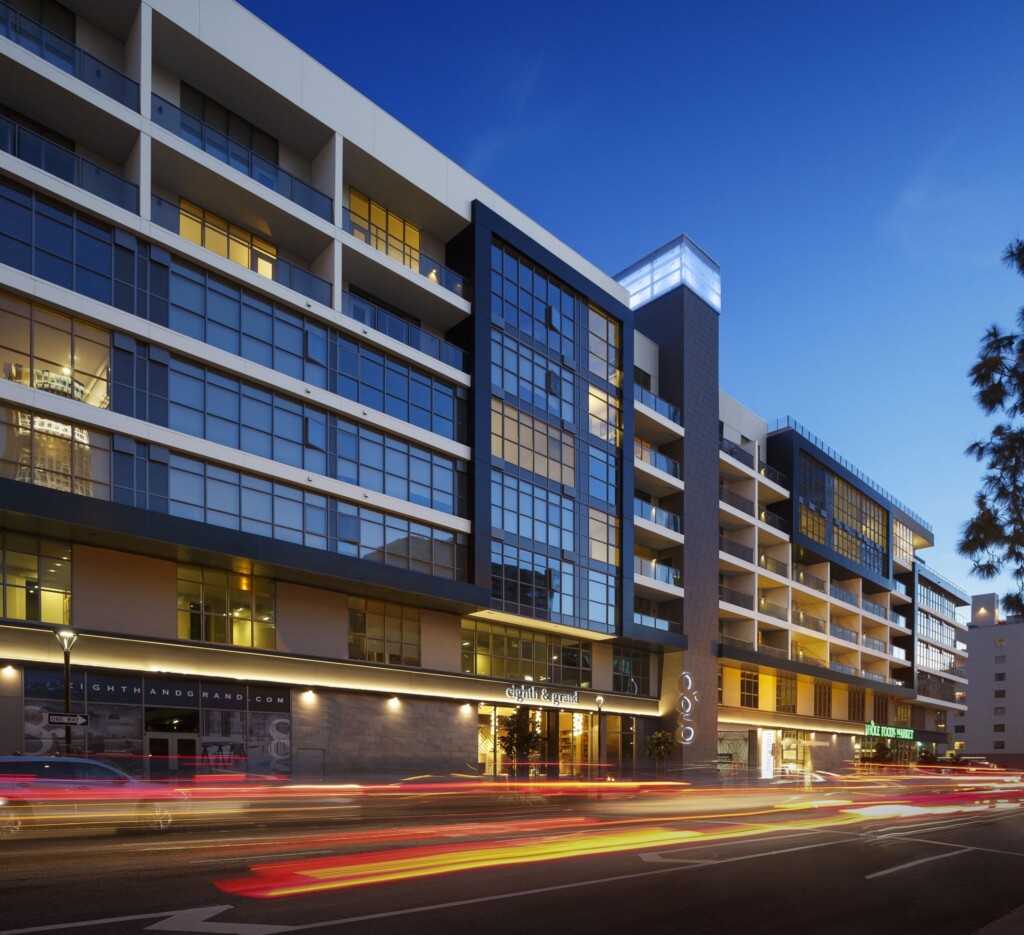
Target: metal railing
(664,463)
(774,520)
(732,596)
(773,565)
(407,332)
(656,623)
(808,621)
(661,406)
(168,215)
(806,578)
(776,476)
(847,597)
(839,667)
(50,47)
(221,147)
(772,610)
(872,608)
(731,547)
(736,451)
(655,514)
(416,260)
(735,500)
(842,633)
(871,642)
(30,147)
(802,655)
(649,568)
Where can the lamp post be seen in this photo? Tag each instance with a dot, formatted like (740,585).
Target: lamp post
(599,701)
(66,638)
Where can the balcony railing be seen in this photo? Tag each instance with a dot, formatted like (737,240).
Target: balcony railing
(416,260)
(733,450)
(649,568)
(806,578)
(656,623)
(898,619)
(773,565)
(900,587)
(731,547)
(847,597)
(802,655)
(664,463)
(873,676)
(732,596)
(871,643)
(655,514)
(808,621)
(30,147)
(735,500)
(872,608)
(220,146)
(839,667)
(67,57)
(774,520)
(661,406)
(898,652)
(777,611)
(777,477)
(168,215)
(406,332)
(842,633)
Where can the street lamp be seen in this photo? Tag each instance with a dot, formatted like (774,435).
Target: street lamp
(599,700)
(66,638)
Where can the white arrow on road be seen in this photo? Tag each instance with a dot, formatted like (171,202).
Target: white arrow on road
(195,920)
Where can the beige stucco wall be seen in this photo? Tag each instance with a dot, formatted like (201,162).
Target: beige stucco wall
(311,621)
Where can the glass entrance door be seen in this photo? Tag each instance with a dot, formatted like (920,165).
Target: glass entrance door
(171,756)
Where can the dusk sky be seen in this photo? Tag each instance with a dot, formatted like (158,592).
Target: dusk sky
(856,169)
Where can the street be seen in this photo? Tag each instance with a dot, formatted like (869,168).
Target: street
(773,860)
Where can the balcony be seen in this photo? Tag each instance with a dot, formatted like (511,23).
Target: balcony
(656,623)
(847,597)
(731,547)
(842,633)
(770,473)
(774,520)
(808,658)
(406,332)
(898,619)
(873,676)
(665,574)
(898,652)
(30,147)
(735,500)
(204,137)
(734,451)
(804,577)
(661,406)
(168,215)
(869,642)
(808,621)
(656,459)
(764,606)
(760,648)
(732,596)
(773,565)
(658,516)
(839,667)
(376,237)
(900,587)
(872,608)
(50,47)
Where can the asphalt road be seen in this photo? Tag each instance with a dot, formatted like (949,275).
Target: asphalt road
(542,871)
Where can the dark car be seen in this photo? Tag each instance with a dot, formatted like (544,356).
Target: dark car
(52,791)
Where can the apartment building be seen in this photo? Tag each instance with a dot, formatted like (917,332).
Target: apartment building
(320,452)
(993,724)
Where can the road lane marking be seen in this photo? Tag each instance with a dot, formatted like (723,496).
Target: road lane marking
(196,920)
(923,860)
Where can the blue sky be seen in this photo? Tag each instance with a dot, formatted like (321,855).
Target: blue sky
(855,168)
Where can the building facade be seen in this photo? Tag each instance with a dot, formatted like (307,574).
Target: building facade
(332,458)
(993,725)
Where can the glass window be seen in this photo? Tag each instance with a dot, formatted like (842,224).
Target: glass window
(507,651)
(532,444)
(383,631)
(750,689)
(823,699)
(631,671)
(220,607)
(36,578)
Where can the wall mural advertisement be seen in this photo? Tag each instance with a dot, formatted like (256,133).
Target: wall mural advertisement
(237,727)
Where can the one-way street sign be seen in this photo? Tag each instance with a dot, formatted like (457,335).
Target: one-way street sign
(68,720)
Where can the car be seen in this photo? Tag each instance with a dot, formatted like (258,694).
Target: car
(64,791)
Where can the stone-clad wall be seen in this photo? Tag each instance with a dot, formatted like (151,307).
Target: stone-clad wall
(339,736)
